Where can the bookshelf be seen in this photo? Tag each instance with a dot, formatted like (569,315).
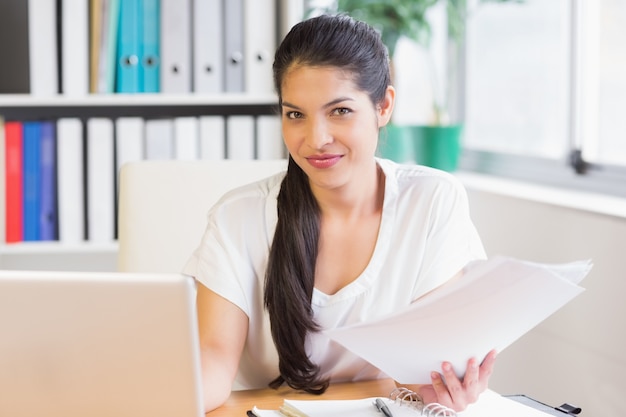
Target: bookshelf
(102,256)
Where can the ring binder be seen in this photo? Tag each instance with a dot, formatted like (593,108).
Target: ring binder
(405,397)
(438,410)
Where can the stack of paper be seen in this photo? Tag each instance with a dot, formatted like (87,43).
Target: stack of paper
(492,305)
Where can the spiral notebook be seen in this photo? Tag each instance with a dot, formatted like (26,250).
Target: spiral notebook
(401,403)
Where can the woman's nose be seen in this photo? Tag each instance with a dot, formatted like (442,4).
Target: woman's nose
(318,134)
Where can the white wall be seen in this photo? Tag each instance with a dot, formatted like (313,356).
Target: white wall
(578,355)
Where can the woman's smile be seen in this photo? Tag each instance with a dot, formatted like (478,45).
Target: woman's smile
(323,161)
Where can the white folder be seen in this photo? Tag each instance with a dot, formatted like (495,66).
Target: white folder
(259,45)
(129,141)
(186,138)
(291,12)
(100,181)
(212,137)
(160,139)
(70,177)
(42,33)
(234,58)
(269,138)
(240,137)
(176,44)
(75,47)
(208,47)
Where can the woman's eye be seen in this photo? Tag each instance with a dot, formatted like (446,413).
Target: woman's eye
(341,111)
(293,115)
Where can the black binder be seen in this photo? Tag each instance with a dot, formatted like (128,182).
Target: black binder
(563,410)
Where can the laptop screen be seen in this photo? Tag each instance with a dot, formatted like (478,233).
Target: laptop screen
(110,344)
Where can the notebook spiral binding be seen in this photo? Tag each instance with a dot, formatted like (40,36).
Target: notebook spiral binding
(406,397)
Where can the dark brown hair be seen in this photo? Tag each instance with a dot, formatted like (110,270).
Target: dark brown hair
(325,41)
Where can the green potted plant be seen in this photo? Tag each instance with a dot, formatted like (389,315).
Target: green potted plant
(438,142)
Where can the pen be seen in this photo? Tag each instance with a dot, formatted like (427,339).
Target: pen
(382,407)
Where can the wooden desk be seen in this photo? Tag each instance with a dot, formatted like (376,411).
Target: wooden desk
(241,401)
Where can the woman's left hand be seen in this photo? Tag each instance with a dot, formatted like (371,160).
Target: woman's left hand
(455,393)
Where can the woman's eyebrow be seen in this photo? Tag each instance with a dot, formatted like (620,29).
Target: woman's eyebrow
(288,104)
(329,104)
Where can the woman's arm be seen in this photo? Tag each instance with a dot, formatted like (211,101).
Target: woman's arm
(223,329)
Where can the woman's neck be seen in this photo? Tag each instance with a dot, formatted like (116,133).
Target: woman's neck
(361,197)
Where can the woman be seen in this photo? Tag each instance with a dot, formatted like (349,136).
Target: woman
(342,237)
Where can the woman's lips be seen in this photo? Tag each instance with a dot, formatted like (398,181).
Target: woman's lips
(323,161)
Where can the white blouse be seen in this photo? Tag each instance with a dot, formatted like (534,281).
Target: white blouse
(426,236)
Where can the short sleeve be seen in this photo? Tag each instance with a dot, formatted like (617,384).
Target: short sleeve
(216,264)
(232,256)
(452,240)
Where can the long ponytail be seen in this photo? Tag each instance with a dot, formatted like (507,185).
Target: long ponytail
(290,279)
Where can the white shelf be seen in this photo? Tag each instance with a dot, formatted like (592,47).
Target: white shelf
(34,248)
(55,256)
(108,100)
(25,106)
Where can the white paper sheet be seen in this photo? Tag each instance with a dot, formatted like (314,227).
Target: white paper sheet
(492,305)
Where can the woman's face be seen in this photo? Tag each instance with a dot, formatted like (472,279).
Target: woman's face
(330,127)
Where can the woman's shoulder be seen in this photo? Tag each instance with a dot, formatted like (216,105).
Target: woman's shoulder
(405,177)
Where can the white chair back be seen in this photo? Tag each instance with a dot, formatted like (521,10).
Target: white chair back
(163,207)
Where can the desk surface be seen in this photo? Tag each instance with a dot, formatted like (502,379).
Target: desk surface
(240,401)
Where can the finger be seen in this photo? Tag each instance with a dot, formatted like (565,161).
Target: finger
(441,391)
(486,367)
(490,358)
(439,386)
(450,390)
(453,385)
(472,381)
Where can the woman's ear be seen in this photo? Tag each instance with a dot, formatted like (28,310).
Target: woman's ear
(385,107)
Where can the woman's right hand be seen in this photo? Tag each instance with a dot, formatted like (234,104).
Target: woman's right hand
(447,389)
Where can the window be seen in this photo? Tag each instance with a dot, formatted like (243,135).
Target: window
(545,89)
(517,80)
(542,90)
(609,25)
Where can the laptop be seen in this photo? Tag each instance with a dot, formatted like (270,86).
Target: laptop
(98,344)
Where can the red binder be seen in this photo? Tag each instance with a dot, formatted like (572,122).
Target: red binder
(13,198)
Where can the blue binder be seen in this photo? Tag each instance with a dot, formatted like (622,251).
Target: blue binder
(128,47)
(32,180)
(150,63)
(48,217)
